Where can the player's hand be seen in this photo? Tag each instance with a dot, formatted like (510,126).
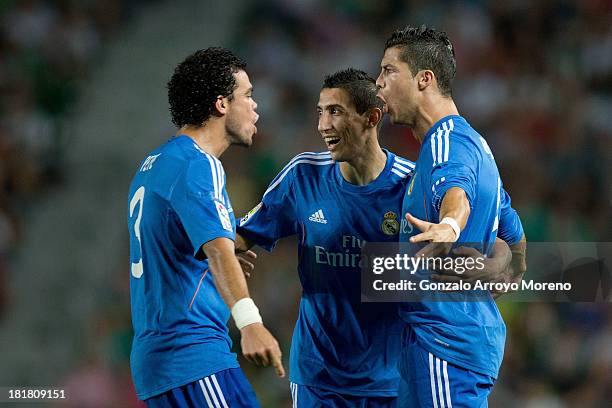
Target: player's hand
(440,236)
(261,348)
(246,260)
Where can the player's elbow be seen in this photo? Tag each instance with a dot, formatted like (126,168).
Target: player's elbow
(217,248)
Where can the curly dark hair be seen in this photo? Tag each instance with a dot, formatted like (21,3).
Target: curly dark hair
(426,48)
(360,86)
(198,81)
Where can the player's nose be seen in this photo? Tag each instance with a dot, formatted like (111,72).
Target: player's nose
(324,124)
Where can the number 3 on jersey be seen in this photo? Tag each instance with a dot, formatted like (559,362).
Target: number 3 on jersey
(138,198)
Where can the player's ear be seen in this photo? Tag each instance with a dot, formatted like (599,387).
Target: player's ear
(221,105)
(425,78)
(374,117)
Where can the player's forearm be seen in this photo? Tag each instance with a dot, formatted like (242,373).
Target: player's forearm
(502,255)
(518,265)
(456,205)
(227,273)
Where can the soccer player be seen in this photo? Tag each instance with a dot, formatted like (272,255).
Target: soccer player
(185,277)
(451,350)
(344,352)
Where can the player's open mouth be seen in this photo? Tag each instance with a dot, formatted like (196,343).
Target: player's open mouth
(385,108)
(331,142)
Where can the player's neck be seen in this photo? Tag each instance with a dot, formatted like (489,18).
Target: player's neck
(366,167)
(211,137)
(430,112)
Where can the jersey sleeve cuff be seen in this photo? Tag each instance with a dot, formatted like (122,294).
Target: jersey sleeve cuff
(259,240)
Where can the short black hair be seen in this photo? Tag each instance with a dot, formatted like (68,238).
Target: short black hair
(360,87)
(426,48)
(198,81)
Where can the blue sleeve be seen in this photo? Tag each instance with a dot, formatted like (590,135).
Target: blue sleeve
(456,165)
(275,216)
(510,226)
(197,199)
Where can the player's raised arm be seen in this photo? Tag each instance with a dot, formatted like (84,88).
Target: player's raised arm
(258,345)
(454,213)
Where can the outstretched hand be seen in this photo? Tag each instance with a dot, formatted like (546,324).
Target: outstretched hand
(440,236)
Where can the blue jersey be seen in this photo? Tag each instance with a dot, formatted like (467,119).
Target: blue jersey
(469,334)
(177,202)
(339,344)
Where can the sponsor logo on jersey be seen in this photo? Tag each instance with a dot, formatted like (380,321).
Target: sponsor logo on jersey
(224,216)
(390,225)
(318,217)
(250,213)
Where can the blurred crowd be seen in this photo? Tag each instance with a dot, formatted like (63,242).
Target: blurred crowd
(47,51)
(535,78)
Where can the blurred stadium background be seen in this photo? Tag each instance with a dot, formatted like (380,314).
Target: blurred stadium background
(83,100)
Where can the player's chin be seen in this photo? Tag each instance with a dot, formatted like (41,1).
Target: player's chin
(246,141)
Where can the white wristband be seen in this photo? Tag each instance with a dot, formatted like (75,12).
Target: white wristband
(245,312)
(451,221)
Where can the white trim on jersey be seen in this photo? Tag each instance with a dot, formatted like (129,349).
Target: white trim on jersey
(440,142)
(305,155)
(433,149)
(221,175)
(446,141)
(292,164)
(435,378)
(215,179)
(399,173)
(402,168)
(405,162)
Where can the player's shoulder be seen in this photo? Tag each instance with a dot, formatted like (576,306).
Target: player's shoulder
(307,163)
(453,138)
(401,168)
(184,161)
(188,155)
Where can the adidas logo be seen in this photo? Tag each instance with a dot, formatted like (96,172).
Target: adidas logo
(318,217)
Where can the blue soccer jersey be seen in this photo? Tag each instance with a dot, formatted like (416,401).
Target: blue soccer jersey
(469,334)
(177,202)
(339,344)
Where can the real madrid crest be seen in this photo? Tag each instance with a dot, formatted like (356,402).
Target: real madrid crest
(390,225)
